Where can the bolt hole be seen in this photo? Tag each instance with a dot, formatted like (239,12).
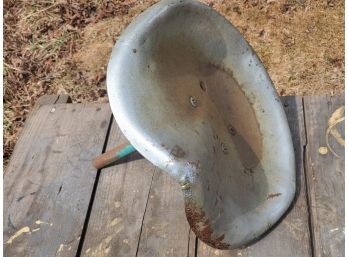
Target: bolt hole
(232,130)
(193,101)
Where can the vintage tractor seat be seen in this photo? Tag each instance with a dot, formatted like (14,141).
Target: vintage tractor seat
(193,98)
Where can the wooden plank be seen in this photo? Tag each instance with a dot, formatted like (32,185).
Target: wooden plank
(165,230)
(119,205)
(52,99)
(43,100)
(325,174)
(290,236)
(50,178)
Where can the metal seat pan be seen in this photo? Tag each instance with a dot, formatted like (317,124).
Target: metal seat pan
(192,97)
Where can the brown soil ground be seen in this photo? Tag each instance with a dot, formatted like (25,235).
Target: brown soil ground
(63,46)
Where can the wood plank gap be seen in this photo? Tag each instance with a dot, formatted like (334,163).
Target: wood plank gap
(142,221)
(119,204)
(91,201)
(49,182)
(308,198)
(191,244)
(56,99)
(61,99)
(325,172)
(188,243)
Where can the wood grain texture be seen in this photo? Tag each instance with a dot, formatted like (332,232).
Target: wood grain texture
(119,204)
(43,100)
(49,181)
(325,176)
(165,230)
(290,237)
(138,209)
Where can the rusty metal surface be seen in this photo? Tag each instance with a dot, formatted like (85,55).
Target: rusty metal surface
(191,95)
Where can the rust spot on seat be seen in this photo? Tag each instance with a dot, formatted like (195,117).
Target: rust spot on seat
(202,228)
(273,195)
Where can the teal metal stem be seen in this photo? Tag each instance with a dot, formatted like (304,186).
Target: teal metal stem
(128,149)
(113,155)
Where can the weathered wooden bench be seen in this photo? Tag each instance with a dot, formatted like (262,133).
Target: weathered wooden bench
(57,204)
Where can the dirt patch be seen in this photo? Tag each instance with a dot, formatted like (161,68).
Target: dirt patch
(96,44)
(93,57)
(63,46)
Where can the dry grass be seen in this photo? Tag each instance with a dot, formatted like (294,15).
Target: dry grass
(300,42)
(61,46)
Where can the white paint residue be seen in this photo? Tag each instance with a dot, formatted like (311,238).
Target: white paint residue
(17,234)
(38,222)
(333,230)
(119,229)
(117,204)
(107,250)
(26,230)
(102,249)
(61,248)
(108,239)
(115,221)
(323,150)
